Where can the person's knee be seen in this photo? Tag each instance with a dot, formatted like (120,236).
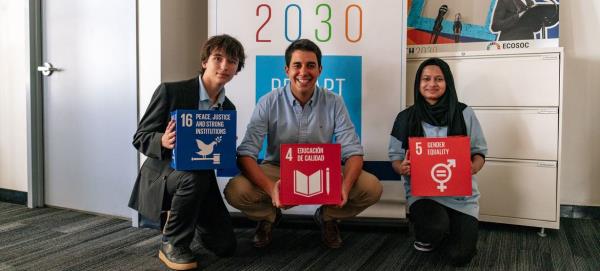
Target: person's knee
(430,215)
(432,233)
(434,229)
(371,189)
(238,192)
(191,181)
(373,195)
(375,191)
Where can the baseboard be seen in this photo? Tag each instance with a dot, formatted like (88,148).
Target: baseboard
(12,196)
(574,211)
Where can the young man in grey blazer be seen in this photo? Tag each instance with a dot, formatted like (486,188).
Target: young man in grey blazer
(188,204)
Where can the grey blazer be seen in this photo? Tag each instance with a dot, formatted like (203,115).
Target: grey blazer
(149,189)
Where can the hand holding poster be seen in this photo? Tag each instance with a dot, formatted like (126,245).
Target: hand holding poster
(310,174)
(440,166)
(205,139)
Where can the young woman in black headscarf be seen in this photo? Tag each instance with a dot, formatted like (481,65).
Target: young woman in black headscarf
(438,113)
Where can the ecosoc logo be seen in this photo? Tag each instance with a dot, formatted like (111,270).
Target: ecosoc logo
(515,45)
(494,45)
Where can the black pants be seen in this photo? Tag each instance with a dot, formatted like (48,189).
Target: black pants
(197,211)
(434,223)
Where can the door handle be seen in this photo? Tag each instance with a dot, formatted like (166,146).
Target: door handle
(47,69)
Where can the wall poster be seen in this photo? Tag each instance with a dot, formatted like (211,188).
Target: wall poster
(463,25)
(363,45)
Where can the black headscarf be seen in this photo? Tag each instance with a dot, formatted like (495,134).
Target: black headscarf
(446,112)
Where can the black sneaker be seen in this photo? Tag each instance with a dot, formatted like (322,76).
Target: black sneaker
(422,246)
(330,233)
(177,258)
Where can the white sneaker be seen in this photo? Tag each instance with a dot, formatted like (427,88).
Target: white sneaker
(421,246)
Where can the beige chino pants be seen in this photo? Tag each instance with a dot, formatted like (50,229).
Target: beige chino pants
(255,203)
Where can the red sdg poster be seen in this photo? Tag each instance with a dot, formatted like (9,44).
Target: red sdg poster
(440,166)
(310,174)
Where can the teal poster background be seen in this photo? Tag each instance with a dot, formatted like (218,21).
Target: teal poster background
(341,74)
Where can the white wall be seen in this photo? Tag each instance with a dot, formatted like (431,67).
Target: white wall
(149,64)
(170,35)
(187,21)
(579,21)
(14,85)
(183,30)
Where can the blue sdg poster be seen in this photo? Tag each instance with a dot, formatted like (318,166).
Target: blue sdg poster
(341,74)
(205,139)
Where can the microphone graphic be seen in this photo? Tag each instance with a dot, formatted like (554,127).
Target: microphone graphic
(457,28)
(437,25)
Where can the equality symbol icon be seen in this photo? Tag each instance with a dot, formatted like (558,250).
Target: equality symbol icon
(441,173)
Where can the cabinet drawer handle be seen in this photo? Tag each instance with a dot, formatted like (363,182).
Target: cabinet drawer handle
(548,111)
(547,164)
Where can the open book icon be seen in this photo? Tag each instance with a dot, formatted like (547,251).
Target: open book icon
(311,185)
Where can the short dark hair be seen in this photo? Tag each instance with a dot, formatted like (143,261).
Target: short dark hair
(303,45)
(230,45)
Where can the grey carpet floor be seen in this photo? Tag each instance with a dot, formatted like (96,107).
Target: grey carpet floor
(56,239)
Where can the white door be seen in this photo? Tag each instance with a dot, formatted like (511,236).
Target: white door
(90,104)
